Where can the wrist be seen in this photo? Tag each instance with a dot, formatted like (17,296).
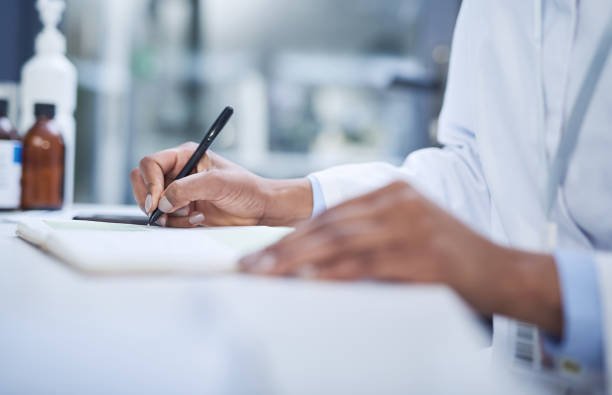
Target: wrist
(287,202)
(516,284)
(476,278)
(539,301)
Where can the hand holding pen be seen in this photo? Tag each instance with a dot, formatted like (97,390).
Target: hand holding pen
(191,186)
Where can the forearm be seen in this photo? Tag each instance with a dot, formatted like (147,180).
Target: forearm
(517,284)
(287,201)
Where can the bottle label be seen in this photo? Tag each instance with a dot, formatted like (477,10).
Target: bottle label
(10,174)
(17,153)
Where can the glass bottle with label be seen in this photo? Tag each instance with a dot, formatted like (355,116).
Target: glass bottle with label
(43,162)
(10,161)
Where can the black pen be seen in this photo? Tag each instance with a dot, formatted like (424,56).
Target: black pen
(191,164)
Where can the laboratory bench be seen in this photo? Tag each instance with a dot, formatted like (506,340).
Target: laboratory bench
(63,331)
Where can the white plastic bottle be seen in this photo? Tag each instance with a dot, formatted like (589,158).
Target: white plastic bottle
(49,77)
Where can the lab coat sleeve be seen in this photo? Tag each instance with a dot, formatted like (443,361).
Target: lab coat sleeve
(318,202)
(604,271)
(582,313)
(451,176)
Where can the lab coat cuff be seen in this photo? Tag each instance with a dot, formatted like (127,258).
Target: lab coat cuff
(318,201)
(582,341)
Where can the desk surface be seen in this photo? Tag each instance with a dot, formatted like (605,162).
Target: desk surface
(65,332)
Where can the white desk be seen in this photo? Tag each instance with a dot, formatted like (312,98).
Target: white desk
(67,333)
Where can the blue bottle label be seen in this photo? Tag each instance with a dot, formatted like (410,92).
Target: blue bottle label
(17,153)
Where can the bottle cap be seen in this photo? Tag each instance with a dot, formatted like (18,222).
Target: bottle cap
(50,40)
(3,108)
(44,110)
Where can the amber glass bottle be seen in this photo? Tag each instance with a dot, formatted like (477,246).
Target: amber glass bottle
(42,182)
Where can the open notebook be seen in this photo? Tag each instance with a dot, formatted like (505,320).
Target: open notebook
(118,248)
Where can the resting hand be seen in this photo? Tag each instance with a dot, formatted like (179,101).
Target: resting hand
(392,234)
(395,234)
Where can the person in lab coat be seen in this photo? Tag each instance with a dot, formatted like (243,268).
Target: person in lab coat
(514,211)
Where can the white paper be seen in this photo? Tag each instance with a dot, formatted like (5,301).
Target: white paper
(110,248)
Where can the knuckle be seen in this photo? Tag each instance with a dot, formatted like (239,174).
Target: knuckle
(146,162)
(399,184)
(402,189)
(325,217)
(340,237)
(410,196)
(410,191)
(326,221)
(134,174)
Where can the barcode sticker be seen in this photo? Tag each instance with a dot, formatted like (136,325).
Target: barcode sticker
(526,345)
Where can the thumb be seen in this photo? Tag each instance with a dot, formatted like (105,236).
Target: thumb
(207,185)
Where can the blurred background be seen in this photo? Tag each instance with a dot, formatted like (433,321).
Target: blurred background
(314,82)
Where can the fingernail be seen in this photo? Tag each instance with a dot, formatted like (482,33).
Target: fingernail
(264,264)
(247,262)
(307,272)
(182,212)
(162,221)
(148,203)
(165,205)
(196,218)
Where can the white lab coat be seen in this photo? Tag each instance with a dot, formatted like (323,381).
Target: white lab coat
(508,92)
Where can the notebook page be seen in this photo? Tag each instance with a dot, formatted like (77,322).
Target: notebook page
(103,247)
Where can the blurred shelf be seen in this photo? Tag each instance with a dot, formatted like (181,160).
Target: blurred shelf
(375,71)
(291,165)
